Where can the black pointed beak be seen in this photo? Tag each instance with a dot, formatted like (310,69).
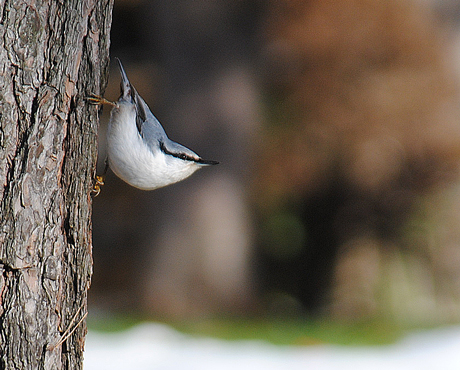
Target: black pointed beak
(206,162)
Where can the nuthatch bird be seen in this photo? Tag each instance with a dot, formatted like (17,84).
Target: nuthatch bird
(139,151)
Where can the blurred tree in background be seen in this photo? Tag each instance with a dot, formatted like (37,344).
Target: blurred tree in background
(337,127)
(359,170)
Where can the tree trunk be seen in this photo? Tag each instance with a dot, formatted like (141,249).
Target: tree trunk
(52,54)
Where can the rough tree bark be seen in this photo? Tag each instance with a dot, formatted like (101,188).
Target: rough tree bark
(52,54)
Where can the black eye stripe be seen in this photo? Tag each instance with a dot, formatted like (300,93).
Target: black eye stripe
(182,156)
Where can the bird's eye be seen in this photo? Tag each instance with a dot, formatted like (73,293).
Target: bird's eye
(183,156)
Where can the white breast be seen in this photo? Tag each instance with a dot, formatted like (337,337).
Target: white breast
(133,161)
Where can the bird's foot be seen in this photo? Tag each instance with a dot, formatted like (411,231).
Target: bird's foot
(98,183)
(99,100)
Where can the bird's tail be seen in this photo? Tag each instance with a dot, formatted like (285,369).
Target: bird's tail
(126,89)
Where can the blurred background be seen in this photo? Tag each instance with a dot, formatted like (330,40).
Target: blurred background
(337,128)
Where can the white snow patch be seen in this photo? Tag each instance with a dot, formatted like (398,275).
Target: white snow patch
(157,347)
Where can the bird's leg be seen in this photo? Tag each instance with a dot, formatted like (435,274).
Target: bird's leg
(99,180)
(99,100)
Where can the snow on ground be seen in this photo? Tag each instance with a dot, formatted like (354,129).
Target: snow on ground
(158,347)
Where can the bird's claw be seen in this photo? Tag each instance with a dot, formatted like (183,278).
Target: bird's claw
(99,182)
(99,100)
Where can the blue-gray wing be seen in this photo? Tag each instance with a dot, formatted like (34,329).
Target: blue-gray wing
(148,126)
